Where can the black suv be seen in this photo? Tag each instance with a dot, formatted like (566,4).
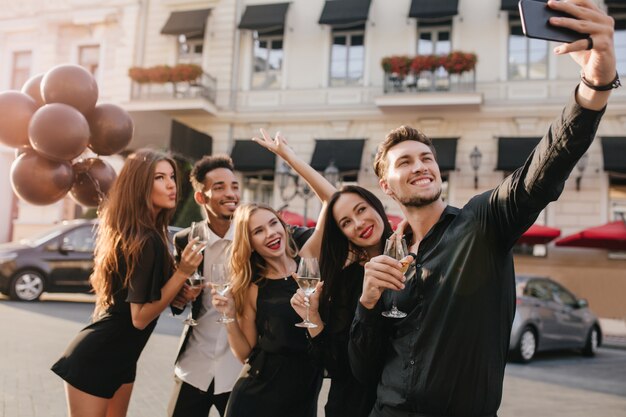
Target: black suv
(59,260)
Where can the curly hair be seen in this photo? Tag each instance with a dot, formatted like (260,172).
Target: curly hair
(208,164)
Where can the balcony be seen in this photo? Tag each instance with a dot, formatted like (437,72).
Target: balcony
(162,88)
(429,80)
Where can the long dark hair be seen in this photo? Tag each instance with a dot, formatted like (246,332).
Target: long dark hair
(125,224)
(336,246)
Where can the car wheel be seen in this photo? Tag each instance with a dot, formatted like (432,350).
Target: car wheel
(593,341)
(526,346)
(26,286)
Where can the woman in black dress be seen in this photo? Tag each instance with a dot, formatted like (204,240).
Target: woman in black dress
(134,281)
(354,230)
(283,379)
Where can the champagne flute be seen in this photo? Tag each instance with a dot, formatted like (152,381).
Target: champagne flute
(396,248)
(220,280)
(308,277)
(199,231)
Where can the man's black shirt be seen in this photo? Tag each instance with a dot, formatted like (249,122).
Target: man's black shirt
(447,357)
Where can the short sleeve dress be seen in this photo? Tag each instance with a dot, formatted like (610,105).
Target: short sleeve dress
(284,380)
(103,356)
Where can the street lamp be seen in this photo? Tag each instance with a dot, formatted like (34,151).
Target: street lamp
(331,173)
(283,176)
(581,166)
(475,157)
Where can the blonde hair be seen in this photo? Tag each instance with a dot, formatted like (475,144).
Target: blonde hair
(125,226)
(244,262)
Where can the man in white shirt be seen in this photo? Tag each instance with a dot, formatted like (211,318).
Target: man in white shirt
(206,369)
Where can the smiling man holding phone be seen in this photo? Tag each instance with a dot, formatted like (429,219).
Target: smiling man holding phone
(447,357)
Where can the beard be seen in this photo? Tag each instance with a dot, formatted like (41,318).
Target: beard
(419,201)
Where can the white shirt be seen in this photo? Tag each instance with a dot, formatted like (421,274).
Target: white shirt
(207,355)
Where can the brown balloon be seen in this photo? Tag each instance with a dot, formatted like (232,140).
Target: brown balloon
(16,110)
(111,129)
(59,132)
(72,85)
(93,178)
(32,88)
(38,180)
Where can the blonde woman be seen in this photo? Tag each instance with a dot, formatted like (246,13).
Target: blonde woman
(283,379)
(134,279)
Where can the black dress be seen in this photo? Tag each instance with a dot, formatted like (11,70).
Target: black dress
(283,379)
(104,355)
(347,396)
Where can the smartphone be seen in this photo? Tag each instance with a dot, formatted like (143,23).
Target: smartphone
(535,16)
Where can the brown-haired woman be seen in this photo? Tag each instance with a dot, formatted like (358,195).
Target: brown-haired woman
(283,379)
(134,281)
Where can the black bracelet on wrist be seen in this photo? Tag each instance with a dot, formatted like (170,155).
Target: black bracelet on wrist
(613,84)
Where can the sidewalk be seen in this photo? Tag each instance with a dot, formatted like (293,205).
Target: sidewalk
(614,332)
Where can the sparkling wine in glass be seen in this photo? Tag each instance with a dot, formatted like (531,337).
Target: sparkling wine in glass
(200,230)
(220,280)
(308,277)
(396,248)
(194,281)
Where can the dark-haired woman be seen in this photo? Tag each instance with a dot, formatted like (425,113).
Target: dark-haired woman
(354,230)
(134,279)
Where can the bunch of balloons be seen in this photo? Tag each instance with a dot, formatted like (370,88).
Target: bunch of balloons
(55,125)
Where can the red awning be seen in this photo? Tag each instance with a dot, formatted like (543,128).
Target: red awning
(611,236)
(295,219)
(394,220)
(539,235)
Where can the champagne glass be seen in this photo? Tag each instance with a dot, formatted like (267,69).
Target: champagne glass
(308,277)
(396,248)
(199,231)
(220,280)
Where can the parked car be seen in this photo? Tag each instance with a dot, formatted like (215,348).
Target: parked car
(550,317)
(58,260)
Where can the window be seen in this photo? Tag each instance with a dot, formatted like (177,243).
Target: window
(80,240)
(538,289)
(528,58)
(258,188)
(562,296)
(190,50)
(347,57)
(20,73)
(434,39)
(89,58)
(268,62)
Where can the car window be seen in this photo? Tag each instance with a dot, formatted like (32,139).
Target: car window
(562,296)
(538,289)
(81,239)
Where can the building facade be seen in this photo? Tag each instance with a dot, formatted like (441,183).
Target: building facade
(312,69)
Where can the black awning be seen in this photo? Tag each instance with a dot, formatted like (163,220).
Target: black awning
(346,154)
(446,153)
(513,152)
(264,17)
(188,142)
(614,154)
(250,157)
(190,23)
(343,12)
(509,5)
(433,9)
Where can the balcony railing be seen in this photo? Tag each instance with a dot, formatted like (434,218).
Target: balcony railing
(429,81)
(204,87)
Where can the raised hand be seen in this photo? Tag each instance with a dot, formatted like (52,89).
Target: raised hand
(277,145)
(596,57)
